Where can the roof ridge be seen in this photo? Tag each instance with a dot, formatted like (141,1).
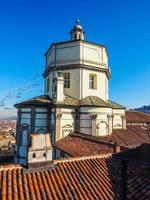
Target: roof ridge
(71,97)
(10,167)
(138,112)
(94,139)
(72,159)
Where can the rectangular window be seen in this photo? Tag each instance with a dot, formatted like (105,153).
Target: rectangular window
(92,81)
(47,84)
(67,80)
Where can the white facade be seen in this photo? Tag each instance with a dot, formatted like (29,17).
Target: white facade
(79,84)
(77,52)
(76,98)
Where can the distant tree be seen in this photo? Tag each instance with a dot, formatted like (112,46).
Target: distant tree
(143,109)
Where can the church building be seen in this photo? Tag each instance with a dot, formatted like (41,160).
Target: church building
(75,99)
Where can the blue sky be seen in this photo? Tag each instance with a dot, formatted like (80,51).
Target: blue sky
(27,28)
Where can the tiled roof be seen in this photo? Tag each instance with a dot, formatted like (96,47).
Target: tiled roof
(115,105)
(85,179)
(79,144)
(69,101)
(83,145)
(131,136)
(137,117)
(138,180)
(43,100)
(96,101)
(93,101)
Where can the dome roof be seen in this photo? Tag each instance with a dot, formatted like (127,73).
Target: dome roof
(77,26)
(77,33)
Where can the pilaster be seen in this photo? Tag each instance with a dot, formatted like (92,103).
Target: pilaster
(93,120)
(76,117)
(32,122)
(110,124)
(123,121)
(58,116)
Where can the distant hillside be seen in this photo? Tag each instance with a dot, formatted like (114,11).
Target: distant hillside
(145,109)
(8,118)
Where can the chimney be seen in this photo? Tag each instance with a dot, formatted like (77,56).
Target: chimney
(117,148)
(58,89)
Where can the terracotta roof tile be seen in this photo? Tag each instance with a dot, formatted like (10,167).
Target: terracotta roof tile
(137,117)
(45,100)
(92,178)
(78,144)
(131,136)
(83,145)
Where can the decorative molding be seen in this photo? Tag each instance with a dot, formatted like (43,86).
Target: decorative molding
(67,126)
(101,123)
(110,116)
(93,116)
(58,116)
(117,125)
(75,66)
(123,117)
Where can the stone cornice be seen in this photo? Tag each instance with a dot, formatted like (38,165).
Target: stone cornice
(74,66)
(76,41)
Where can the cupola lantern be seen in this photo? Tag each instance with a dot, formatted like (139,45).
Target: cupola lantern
(77,32)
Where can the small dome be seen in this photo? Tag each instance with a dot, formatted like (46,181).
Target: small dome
(77,26)
(77,32)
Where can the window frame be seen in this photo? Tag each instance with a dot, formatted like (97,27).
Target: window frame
(67,80)
(93,81)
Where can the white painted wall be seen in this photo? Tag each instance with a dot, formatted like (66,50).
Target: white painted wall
(93,55)
(74,90)
(101,120)
(39,156)
(62,54)
(101,90)
(40,141)
(67,122)
(40,144)
(77,52)
(117,121)
(79,84)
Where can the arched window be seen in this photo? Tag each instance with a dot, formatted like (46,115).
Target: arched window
(102,128)
(24,134)
(92,81)
(41,130)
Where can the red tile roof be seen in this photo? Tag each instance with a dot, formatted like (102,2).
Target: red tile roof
(84,179)
(137,117)
(131,136)
(78,144)
(83,145)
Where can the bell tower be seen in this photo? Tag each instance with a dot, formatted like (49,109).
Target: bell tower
(77,32)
